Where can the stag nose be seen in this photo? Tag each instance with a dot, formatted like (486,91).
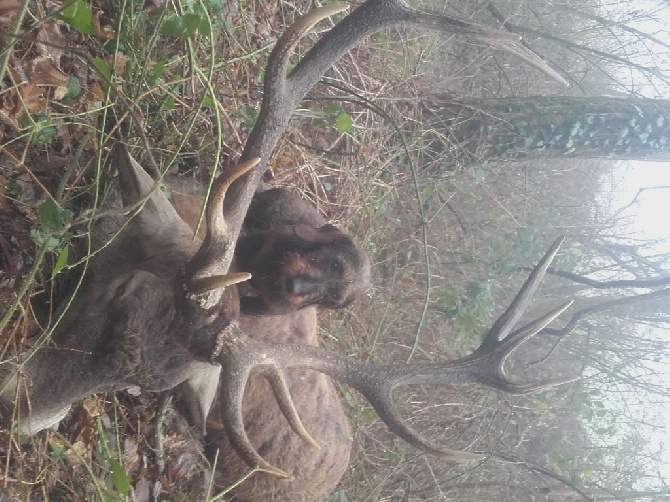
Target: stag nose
(302,286)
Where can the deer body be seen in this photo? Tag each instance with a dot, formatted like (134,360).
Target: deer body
(315,472)
(132,322)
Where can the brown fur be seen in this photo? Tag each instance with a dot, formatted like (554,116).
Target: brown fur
(295,258)
(315,472)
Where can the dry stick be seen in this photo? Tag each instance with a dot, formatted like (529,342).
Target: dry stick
(571,325)
(621,283)
(9,48)
(602,307)
(546,472)
(567,44)
(608,23)
(161,411)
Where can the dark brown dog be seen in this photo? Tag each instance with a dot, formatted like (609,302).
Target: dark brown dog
(295,258)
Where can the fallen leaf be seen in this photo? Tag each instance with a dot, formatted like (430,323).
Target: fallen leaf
(104,32)
(43,71)
(50,31)
(84,450)
(92,407)
(130,458)
(95,94)
(60,93)
(9,7)
(32,99)
(119,61)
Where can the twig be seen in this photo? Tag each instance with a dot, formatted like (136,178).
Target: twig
(161,411)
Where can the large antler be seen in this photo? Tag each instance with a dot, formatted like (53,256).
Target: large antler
(283,92)
(242,355)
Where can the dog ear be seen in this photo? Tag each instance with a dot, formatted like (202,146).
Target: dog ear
(322,235)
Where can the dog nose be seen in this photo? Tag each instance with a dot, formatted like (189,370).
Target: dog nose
(302,286)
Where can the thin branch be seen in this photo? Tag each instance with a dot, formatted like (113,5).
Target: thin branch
(622,283)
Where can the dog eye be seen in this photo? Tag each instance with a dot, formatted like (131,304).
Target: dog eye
(336,266)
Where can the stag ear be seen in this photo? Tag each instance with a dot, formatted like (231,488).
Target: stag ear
(158,219)
(198,392)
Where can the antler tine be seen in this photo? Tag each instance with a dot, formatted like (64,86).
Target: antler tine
(382,401)
(238,359)
(240,355)
(279,103)
(501,342)
(375,15)
(506,322)
(208,269)
(507,347)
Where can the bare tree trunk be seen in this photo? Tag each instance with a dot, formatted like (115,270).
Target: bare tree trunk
(558,126)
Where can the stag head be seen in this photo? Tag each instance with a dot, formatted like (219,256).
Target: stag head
(147,314)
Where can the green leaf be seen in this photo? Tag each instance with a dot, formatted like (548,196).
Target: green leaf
(205,27)
(56,451)
(44,135)
(73,87)
(368,416)
(343,123)
(155,72)
(104,72)
(42,238)
(78,15)
(208,102)
(61,262)
(51,217)
(186,25)
(25,121)
(120,479)
(250,115)
(333,109)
